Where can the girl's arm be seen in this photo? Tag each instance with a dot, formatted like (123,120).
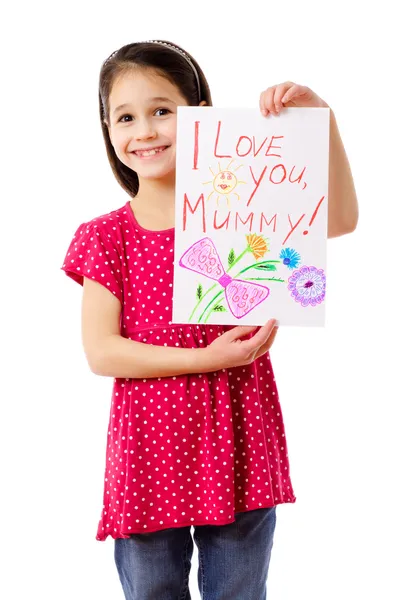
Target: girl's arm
(129,359)
(125,358)
(111,355)
(342,198)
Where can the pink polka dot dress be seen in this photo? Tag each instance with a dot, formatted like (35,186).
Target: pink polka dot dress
(187,450)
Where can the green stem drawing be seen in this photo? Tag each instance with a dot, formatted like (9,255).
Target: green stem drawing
(209,304)
(201,300)
(256,264)
(264,279)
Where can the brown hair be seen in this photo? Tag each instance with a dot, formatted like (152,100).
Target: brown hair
(166,62)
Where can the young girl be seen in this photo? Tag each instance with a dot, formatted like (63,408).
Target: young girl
(196,435)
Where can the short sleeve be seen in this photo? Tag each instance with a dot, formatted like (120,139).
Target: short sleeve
(93,254)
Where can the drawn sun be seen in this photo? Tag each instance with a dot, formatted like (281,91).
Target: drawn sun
(224,182)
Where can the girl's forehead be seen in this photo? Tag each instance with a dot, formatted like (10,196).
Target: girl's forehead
(143,84)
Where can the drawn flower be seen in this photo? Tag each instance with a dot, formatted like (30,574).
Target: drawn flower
(257,245)
(290,258)
(307,286)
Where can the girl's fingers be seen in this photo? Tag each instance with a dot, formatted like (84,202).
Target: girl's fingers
(266,99)
(285,91)
(239,331)
(265,347)
(261,336)
(273,98)
(280,90)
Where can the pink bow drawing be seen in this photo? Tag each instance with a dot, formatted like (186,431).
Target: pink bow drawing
(241,296)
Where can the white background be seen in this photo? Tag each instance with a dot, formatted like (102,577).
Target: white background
(338,385)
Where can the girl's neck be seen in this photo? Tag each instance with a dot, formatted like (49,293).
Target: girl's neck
(154,204)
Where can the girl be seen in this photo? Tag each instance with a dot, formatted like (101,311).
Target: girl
(195,435)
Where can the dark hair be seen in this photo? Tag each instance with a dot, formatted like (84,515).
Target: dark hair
(166,62)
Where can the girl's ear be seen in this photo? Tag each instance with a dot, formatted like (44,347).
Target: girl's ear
(203,103)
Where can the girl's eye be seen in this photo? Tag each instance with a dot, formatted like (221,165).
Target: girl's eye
(166,111)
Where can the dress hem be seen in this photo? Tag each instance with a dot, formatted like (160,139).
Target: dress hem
(101,537)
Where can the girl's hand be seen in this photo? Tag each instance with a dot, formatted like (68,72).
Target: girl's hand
(228,350)
(287,94)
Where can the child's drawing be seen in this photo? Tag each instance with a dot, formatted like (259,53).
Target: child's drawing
(241,296)
(257,245)
(290,258)
(224,182)
(258,189)
(203,258)
(307,286)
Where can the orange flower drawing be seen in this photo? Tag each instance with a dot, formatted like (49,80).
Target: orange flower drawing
(257,245)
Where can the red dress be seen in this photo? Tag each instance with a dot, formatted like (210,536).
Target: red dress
(185,450)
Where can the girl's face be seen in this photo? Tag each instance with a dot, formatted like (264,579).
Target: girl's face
(143,130)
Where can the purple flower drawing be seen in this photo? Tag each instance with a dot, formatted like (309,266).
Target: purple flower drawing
(307,286)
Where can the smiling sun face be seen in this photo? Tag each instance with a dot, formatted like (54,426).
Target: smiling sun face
(224,182)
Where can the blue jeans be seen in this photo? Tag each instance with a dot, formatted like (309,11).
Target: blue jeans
(233,560)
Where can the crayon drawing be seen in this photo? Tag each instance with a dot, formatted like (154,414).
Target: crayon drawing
(307,286)
(224,182)
(241,296)
(250,242)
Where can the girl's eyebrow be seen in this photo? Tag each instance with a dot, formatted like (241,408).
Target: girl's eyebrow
(155,99)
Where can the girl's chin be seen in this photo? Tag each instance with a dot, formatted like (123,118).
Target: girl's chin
(149,174)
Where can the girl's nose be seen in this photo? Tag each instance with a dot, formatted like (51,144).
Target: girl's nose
(144,130)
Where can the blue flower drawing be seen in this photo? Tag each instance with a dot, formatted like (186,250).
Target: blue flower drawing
(290,258)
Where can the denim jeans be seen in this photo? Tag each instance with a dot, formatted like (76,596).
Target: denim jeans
(233,560)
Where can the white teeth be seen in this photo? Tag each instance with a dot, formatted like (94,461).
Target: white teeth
(149,152)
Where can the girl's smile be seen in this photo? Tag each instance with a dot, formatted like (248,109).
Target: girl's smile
(150,153)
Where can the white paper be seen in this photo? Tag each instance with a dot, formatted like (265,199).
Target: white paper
(251,216)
